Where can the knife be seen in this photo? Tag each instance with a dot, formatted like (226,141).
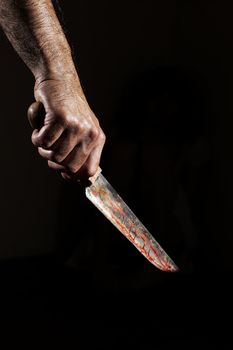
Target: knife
(107,200)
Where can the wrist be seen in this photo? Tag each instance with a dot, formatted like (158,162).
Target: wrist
(61,82)
(57,66)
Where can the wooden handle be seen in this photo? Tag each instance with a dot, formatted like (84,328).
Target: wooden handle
(36,114)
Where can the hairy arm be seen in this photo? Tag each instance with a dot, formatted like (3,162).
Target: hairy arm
(71,139)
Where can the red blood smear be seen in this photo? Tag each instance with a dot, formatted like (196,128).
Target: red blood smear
(118,213)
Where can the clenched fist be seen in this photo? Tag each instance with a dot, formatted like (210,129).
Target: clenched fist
(70,138)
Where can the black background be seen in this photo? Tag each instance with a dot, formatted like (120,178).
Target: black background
(159,77)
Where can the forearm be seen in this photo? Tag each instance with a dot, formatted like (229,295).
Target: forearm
(35,33)
(70,139)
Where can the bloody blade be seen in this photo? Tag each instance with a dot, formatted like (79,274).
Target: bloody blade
(107,200)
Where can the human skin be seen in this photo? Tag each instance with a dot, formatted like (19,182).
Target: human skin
(71,139)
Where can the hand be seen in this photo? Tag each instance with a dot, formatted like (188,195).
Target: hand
(71,139)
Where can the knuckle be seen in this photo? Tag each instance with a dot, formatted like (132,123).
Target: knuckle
(102,137)
(50,164)
(72,168)
(81,128)
(89,171)
(56,157)
(73,127)
(44,142)
(70,122)
(61,118)
(34,140)
(93,134)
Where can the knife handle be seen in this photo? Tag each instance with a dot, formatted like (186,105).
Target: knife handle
(36,114)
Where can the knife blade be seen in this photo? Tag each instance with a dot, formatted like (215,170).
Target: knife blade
(107,200)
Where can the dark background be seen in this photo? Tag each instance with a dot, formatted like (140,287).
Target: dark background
(159,76)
